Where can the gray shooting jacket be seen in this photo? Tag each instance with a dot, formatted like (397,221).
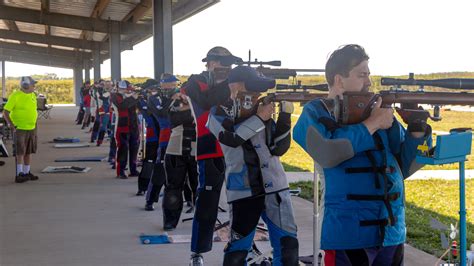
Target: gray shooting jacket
(251,151)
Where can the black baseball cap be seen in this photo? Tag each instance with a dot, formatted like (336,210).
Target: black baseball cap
(148,83)
(222,55)
(252,79)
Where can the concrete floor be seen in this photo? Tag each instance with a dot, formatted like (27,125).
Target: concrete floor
(94,218)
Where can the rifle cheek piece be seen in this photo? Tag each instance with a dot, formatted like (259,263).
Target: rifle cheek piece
(327,152)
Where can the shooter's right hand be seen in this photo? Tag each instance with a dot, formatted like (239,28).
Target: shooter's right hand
(380,118)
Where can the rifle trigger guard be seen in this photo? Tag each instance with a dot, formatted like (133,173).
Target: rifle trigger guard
(370,106)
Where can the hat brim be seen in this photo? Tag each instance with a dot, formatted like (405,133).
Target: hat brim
(170,79)
(260,84)
(229,59)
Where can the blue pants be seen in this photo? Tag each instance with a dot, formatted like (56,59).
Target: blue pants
(104,125)
(277,212)
(210,180)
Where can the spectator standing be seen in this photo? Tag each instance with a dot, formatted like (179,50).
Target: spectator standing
(21,115)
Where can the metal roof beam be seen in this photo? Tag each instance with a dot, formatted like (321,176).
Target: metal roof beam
(26,60)
(45,50)
(180,13)
(56,40)
(11,25)
(45,9)
(190,8)
(68,21)
(139,11)
(97,12)
(35,58)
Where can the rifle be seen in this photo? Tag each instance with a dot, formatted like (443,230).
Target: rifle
(296,93)
(355,107)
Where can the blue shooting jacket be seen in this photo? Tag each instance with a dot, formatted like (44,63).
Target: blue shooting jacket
(362,201)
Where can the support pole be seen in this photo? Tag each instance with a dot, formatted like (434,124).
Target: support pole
(162,37)
(115,60)
(462,213)
(87,70)
(77,73)
(96,62)
(316,229)
(4,88)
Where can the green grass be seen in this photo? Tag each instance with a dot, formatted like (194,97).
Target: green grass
(425,199)
(296,158)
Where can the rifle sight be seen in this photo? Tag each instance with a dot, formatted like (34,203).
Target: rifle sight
(452,83)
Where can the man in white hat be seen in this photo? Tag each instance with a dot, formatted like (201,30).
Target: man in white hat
(21,115)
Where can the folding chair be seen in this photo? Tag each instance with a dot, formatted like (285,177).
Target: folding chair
(5,132)
(43,108)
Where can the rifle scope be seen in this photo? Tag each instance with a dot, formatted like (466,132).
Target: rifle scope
(452,83)
(319,87)
(261,63)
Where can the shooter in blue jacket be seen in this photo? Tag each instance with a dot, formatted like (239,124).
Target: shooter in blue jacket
(364,166)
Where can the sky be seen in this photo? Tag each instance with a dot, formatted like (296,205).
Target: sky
(400,36)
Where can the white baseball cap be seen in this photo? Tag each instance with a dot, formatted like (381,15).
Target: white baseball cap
(123,84)
(27,81)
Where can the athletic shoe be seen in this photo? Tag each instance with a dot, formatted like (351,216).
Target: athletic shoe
(135,174)
(32,176)
(21,178)
(168,227)
(122,177)
(140,193)
(196,260)
(149,207)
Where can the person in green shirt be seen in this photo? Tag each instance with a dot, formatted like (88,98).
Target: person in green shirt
(21,115)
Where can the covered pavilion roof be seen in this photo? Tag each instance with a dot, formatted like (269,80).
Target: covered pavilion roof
(64,34)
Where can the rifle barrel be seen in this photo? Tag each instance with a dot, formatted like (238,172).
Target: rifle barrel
(439,98)
(453,83)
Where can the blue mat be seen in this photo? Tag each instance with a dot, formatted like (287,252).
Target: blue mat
(81,159)
(154,239)
(66,140)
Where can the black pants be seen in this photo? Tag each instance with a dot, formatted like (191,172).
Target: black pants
(151,153)
(210,180)
(80,115)
(157,179)
(377,256)
(177,168)
(127,148)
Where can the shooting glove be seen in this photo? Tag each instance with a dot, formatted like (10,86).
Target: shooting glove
(286,107)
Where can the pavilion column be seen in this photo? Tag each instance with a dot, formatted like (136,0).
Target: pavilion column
(96,62)
(4,88)
(162,37)
(114,43)
(77,75)
(87,70)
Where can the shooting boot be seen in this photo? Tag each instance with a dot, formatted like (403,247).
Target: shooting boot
(32,176)
(196,260)
(149,207)
(21,178)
